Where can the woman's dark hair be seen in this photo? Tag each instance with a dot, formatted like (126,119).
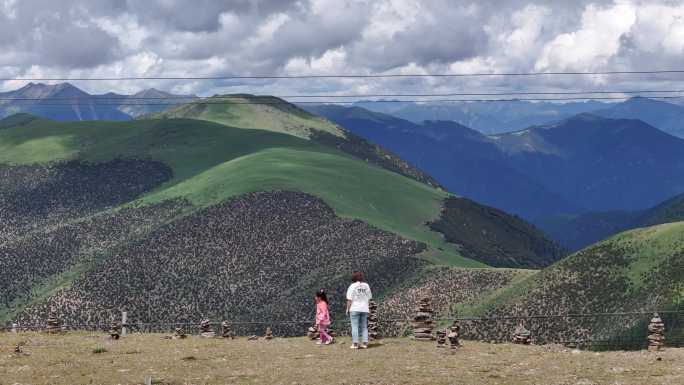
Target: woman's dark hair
(322,295)
(357,276)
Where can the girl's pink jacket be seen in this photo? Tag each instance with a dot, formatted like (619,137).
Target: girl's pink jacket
(322,315)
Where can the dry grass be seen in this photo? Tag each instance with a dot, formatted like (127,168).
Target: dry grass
(69,359)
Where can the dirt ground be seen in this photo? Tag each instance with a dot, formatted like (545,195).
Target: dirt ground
(91,358)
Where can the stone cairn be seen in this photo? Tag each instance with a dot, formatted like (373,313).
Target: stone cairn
(269,334)
(115,330)
(227,330)
(373,321)
(312,332)
(53,323)
(205,329)
(453,335)
(656,333)
(521,335)
(422,321)
(441,338)
(178,334)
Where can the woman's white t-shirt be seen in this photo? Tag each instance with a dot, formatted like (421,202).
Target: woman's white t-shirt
(360,294)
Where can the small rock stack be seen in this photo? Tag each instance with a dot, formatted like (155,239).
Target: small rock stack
(441,338)
(227,330)
(453,335)
(312,332)
(422,321)
(656,333)
(373,321)
(53,323)
(269,334)
(205,329)
(115,330)
(521,335)
(178,334)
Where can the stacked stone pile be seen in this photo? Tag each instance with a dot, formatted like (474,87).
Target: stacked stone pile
(53,324)
(269,334)
(521,335)
(453,336)
(312,332)
(205,329)
(441,338)
(373,321)
(227,330)
(656,333)
(178,334)
(422,321)
(115,330)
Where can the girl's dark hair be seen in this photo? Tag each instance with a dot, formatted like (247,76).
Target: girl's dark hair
(357,276)
(322,295)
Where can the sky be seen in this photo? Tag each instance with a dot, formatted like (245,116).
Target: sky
(99,38)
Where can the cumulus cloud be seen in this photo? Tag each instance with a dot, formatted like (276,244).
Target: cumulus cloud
(210,38)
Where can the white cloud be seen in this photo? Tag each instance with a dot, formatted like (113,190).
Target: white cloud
(171,37)
(592,45)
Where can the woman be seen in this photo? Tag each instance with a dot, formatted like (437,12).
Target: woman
(358,296)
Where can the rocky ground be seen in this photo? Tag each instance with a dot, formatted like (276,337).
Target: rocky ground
(78,358)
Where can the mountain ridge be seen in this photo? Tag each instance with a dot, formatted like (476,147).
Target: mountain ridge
(66,102)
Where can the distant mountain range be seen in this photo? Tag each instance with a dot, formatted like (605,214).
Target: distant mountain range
(508,116)
(65,102)
(578,231)
(486,117)
(465,161)
(667,117)
(581,164)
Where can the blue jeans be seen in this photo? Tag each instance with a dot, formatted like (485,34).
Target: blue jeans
(359,321)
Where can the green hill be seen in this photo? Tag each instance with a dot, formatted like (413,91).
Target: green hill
(213,162)
(174,219)
(638,270)
(77,196)
(275,114)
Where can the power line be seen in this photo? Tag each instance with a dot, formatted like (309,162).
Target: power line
(344,76)
(207,101)
(237,96)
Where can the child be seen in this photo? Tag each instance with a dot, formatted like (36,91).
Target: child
(322,317)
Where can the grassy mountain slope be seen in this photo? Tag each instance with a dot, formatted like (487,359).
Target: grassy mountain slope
(640,269)
(249,111)
(274,114)
(501,240)
(213,162)
(104,227)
